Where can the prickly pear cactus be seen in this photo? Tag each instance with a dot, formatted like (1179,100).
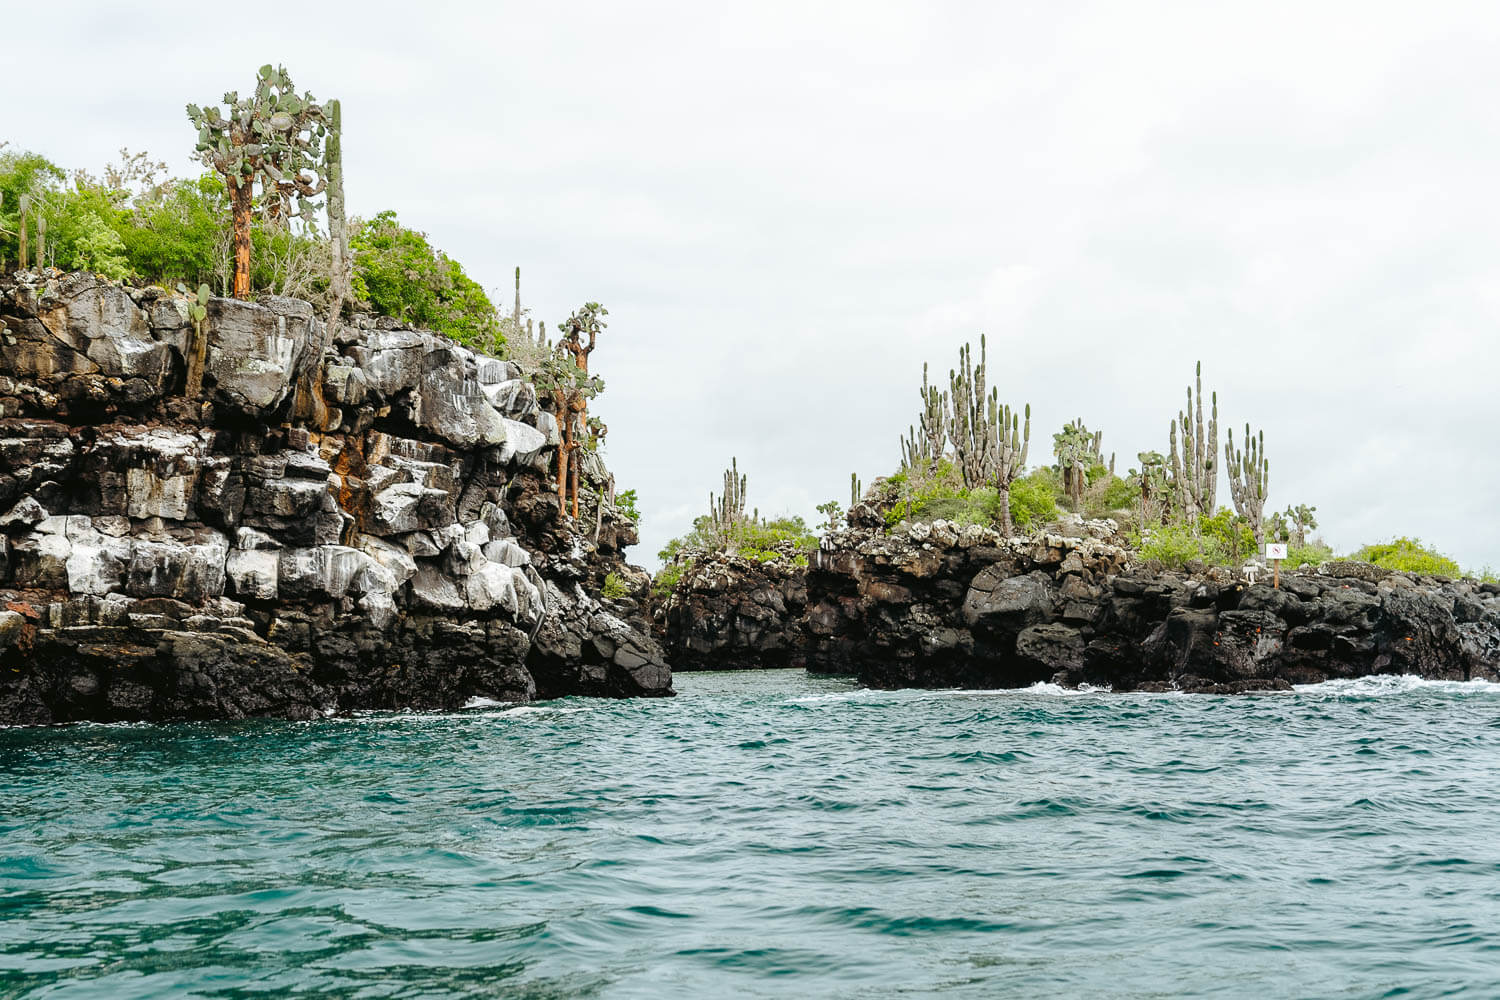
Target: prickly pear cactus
(273,140)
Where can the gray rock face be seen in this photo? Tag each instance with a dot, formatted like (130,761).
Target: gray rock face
(935,608)
(732,613)
(328,527)
(256,353)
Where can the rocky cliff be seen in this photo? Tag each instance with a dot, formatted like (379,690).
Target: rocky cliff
(936,605)
(362,520)
(729,612)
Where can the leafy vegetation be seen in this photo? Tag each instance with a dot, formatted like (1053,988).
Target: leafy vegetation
(625,503)
(134,224)
(1408,555)
(939,492)
(614,588)
(399,273)
(669,576)
(756,539)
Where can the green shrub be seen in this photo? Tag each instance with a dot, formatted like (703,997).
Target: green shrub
(1172,545)
(95,247)
(668,577)
(1409,556)
(614,587)
(397,272)
(1048,477)
(1228,535)
(764,535)
(1033,502)
(625,503)
(760,541)
(181,235)
(1312,554)
(1117,494)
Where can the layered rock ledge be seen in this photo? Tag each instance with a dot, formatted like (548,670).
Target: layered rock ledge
(356,521)
(943,606)
(729,612)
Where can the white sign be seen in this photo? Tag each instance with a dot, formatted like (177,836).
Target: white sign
(1276,550)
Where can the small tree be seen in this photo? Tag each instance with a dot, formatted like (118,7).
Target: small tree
(580,333)
(1077,452)
(273,139)
(568,388)
(1156,497)
(1301,519)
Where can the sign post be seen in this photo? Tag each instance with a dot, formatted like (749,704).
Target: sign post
(1276,551)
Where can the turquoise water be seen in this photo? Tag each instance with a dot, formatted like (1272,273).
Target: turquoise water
(768,834)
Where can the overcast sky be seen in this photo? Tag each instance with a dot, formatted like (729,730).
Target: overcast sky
(787,208)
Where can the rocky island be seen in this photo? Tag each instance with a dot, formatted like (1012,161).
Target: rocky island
(362,520)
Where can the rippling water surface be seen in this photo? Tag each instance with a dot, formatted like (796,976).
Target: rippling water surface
(770,834)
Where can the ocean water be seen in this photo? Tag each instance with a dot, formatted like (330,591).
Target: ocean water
(770,834)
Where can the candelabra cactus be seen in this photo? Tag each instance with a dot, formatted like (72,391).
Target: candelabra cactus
(1249,473)
(1010,457)
(927,446)
(1195,473)
(727,512)
(856,490)
(273,138)
(973,418)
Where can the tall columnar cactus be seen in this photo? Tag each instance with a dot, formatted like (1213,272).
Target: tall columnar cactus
(927,445)
(1195,473)
(727,512)
(341,272)
(198,355)
(856,490)
(41,241)
(972,419)
(274,139)
(1249,474)
(1013,443)
(25,204)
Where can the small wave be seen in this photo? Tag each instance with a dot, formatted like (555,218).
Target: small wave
(478,702)
(1047,687)
(1385,685)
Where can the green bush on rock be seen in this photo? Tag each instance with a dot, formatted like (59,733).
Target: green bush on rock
(400,274)
(1408,555)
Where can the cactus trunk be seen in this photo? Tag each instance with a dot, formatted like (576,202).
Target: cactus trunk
(338,234)
(25,211)
(241,204)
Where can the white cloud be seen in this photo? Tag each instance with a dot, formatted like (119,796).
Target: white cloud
(788,208)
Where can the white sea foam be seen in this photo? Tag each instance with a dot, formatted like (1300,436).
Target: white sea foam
(1385,685)
(937,694)
(1047,687)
